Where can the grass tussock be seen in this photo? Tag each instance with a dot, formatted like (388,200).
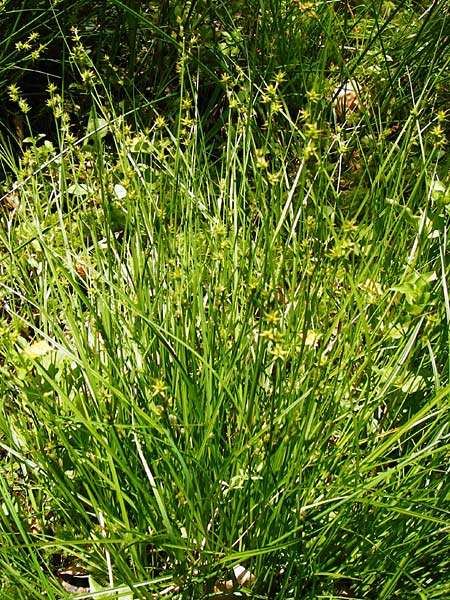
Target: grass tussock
(224,305)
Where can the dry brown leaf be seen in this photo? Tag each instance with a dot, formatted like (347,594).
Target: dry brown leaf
(241,577)
(346,99)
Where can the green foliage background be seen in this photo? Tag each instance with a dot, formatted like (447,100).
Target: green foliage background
(224,307)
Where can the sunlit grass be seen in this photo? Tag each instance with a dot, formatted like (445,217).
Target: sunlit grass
(226,344)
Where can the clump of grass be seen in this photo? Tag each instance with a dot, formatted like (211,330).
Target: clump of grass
(223,343)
